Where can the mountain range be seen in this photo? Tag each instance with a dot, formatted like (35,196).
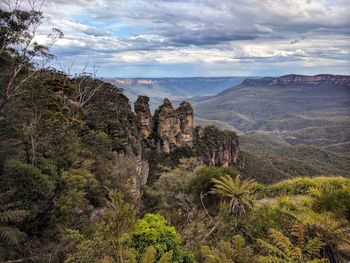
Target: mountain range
(289,125)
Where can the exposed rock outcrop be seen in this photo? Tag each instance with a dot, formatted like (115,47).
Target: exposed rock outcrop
(173,129)
(143,112)
(185,112)
(167,127)
(114,117)
(217,148)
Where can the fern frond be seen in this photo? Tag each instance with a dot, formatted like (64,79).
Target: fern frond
(166,258)
(11,235)
(270,249)
(313,246)
(298,232)
(149,255)
(280,240)
(13,216)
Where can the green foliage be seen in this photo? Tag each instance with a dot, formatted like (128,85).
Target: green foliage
(110,237)
(202,181)
(30,183)
(10,236)
(60,153)
(149,255)
(337,201)
(303,185)
(280,248)
(152,230)
(72,206)
(269,158)
(265,216)
(237,191)
(224,252)
(98,142)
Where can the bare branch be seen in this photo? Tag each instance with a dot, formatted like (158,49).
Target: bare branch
(18,41)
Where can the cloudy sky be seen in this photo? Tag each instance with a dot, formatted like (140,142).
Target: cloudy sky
(169,38)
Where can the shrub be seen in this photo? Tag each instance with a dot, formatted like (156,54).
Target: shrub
(31,184)
(303,185)
(338,202)
(152,230)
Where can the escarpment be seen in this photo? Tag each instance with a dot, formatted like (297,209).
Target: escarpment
(140,141)
(109,112)
(217,148)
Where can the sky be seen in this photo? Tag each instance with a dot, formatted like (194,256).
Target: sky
(185,38)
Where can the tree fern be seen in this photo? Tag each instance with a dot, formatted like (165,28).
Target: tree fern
(236,190)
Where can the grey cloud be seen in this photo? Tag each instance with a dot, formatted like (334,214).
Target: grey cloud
(212,22)
(96,32)
(168,25)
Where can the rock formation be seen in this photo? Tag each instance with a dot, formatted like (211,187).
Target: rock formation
(185,112)
(173,129)
(167,127)
(140,140)
(143,112)
(217,148)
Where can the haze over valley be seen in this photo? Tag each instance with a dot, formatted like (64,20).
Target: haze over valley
(175,89)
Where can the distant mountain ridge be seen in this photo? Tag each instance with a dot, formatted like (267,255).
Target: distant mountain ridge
(293,79)
(320,102)
(175,89)
(324,80)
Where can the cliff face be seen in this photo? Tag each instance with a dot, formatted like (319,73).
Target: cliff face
(167,127)
(173,129)
(116,118)
(135,136)
(185,112)
(143,112)
(217,148)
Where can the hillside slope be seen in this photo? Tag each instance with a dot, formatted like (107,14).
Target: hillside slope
(293,125)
